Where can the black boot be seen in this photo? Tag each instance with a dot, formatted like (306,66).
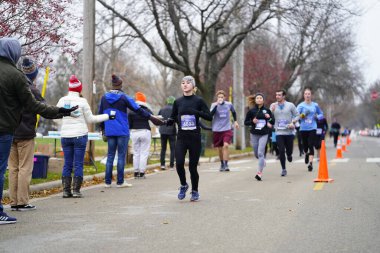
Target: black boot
(66,185)
(77,183)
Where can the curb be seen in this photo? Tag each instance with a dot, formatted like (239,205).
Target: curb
(58,183)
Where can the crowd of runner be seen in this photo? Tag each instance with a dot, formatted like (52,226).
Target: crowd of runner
(122,117)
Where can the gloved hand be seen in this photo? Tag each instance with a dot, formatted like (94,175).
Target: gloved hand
(169,122)
(66,112)
(156,121)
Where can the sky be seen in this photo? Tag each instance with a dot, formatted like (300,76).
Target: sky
(368,40)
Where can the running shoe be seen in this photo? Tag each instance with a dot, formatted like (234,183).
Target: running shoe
(310,167)
(182,191)
(222,168)
(142,175)
(26,208)
(5,219)
(226,168)
(194,196)
(14,208)
(136,175)
(259,176)
(123,185)
(163,167)
(284,173)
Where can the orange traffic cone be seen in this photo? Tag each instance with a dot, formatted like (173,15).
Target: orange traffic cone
(323,173)
(344,144)
(339,153)
(348,140)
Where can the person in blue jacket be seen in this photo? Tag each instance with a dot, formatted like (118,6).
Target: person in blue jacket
(116,102)
(309,114)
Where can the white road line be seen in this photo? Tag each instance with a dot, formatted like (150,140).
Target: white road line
(373,160)
(239,162)
(300,161)
(271,161)
(343,160)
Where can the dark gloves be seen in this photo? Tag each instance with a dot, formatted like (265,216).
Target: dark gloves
(169,122)
(156,121)
(65,111)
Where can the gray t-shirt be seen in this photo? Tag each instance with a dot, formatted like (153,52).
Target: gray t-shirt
(222,120)
(284,114)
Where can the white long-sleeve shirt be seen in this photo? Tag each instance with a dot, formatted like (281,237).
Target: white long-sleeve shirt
(74,127)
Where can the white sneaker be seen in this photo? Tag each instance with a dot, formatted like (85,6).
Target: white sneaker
(107,185)
(123,185)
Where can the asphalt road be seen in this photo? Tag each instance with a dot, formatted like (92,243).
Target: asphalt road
(236,213)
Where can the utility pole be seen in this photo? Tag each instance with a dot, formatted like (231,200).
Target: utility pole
(238,95)
(89,59)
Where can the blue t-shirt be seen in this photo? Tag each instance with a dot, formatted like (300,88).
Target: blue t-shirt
(311,113)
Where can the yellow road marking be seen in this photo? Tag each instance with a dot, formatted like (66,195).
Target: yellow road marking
(318,186)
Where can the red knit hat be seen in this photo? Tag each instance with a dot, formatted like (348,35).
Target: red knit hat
(139,96)
(75,84)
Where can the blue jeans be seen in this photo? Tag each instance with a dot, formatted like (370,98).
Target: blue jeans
(121,143)
(73,152)
(5,149)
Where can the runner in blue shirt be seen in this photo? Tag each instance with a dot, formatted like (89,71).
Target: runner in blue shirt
(309,113)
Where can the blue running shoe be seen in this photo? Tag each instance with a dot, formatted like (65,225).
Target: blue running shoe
(5,219)
(194,196)
(182,191)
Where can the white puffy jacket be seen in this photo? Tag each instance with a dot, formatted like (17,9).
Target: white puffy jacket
(75,127)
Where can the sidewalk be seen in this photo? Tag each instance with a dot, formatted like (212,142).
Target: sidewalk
(58,183)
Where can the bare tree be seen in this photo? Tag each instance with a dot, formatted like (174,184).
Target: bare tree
(204,37)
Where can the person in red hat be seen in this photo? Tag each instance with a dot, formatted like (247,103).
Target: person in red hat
(74,136)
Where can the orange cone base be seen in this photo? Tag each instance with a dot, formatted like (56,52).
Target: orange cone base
(328,180)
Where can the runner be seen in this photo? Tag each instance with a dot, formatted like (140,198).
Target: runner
(309,113)
(167,133)
(260,119)
(322,128)
(286,115)
(335,130)
(186,112)
(221,127)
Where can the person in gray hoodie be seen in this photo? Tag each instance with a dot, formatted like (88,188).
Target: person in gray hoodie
(15,95)
(286,115)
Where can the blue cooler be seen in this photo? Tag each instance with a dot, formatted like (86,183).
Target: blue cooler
(40,167)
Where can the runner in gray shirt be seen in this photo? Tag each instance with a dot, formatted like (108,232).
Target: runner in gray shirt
(286,115)
(221,127)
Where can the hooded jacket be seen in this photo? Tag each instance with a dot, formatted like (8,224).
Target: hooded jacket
(15,93)
(117,100)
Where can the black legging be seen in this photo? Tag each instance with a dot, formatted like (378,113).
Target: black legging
(164,141)
(191,142)
(285,143)
(308,141)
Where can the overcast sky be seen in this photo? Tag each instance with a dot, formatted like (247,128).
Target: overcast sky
(368,39)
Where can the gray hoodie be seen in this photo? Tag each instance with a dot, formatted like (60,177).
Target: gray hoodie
(10,48)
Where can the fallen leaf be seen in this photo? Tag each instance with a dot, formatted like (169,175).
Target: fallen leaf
(348,208)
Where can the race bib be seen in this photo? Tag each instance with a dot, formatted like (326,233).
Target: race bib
(309,121)
(319,131)
(260,124)
(282,124)
(188,122)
